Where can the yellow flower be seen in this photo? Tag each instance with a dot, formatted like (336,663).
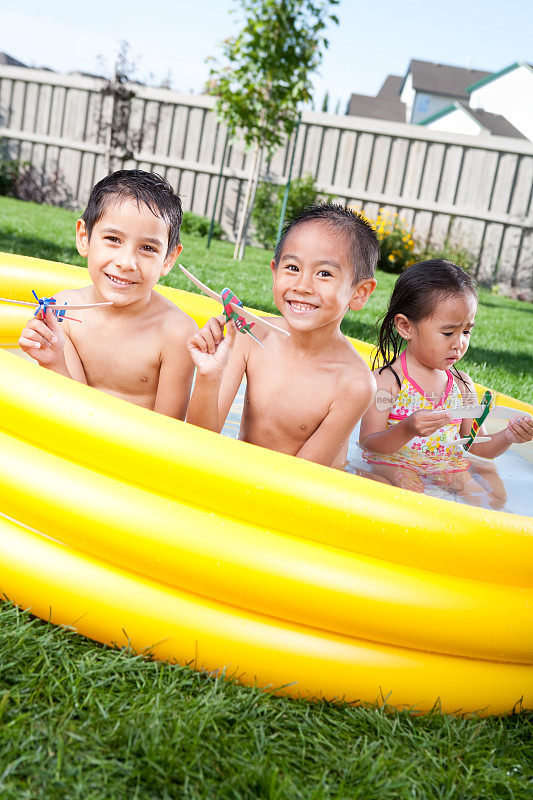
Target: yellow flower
(391,257)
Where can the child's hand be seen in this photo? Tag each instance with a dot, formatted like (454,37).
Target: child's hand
(521,429)
(43,340)
(424,423)
(210,349)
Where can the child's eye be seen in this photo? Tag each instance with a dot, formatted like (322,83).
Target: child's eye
(149,248)
(447,334)
(324,273)
(112,239)
(291,267)
(467,333)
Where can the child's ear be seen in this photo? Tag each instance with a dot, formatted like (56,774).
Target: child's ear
(82,238)
(362,292)
(273,269)
(170,260)
(403,326)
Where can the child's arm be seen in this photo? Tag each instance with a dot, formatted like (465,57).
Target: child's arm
(353,398)
(176,372)
(375,435)
(48,343)
(518,431)
(220,366)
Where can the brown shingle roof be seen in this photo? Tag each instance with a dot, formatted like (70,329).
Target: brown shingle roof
(443,79)
(391,87)
(362,105)
(10,61)
(495,123)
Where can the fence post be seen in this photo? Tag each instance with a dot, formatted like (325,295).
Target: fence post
(288,184)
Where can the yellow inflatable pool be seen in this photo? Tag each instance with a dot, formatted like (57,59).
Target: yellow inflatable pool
(134,528)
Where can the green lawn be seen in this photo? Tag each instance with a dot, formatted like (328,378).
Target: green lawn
(80,720)
(501,354)
(83,721)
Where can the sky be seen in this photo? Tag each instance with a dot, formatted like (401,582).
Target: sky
(176,37)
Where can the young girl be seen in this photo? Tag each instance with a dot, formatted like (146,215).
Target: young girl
(409,431)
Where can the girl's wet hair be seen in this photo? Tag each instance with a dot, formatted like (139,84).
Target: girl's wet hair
(148,188)
(416,294)
(361,236)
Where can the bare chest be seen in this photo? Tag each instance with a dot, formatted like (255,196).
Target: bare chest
(125,362)
(287,400)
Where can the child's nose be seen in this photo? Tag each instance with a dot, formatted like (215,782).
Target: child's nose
(459,342)
(304,282)
(126,261)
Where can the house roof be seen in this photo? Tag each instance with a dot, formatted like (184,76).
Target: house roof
(443,79)
(362,105)
(391,87)
(495,123)
(10,61)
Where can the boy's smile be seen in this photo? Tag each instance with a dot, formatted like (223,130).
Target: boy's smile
(120,282)
(313,282)
(126,253)
(301,308)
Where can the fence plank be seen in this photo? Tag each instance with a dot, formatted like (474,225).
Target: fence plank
(476,190)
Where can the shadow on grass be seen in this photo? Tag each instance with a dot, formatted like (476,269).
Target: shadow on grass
(519,362)
(12,242)
(523,308)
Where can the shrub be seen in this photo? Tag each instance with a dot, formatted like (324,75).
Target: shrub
(399,248)
(22,180)
(397,245)
(453,252)
(269,199)
(396,240)
(199,226)
(10,170)
(47,188)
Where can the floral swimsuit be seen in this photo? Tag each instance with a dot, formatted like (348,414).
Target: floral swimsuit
(425,454)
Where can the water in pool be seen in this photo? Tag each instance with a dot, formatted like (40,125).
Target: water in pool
(505,483)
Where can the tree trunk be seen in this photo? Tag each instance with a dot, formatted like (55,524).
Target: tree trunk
(244,212)
(108,154)
(108,140)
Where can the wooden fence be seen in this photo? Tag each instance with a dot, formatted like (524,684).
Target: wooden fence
(475,191)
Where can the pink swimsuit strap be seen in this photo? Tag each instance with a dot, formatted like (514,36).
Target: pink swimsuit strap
(414,384)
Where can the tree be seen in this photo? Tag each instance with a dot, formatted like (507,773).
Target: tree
(266,74)
(120,140)
(268,204)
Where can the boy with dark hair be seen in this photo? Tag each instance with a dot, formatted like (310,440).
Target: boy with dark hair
(135,348)
(305,393)
(360,235)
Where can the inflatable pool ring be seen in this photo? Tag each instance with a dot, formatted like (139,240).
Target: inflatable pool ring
(138,529)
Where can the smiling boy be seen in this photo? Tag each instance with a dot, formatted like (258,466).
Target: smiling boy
(305,393)
(135,349)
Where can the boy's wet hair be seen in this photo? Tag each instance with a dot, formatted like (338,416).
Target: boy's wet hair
(143,187)
(416,294)
(361,236)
